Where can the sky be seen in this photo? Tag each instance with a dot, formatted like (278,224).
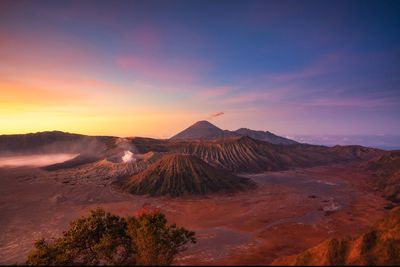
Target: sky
(152,68)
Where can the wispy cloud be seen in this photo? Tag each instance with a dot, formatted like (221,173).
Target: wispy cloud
(324,65)
(158,69)
(218,114)
(356,102)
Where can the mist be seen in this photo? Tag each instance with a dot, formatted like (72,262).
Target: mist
(35,160)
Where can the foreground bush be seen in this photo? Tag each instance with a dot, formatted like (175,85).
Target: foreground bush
(106,239)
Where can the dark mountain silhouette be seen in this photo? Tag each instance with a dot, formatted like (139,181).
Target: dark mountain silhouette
(265,136)
(379,246)
(203,130)
(178,175)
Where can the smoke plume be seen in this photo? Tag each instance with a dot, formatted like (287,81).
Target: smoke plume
(216,114)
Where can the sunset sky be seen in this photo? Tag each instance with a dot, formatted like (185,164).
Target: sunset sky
(152,68)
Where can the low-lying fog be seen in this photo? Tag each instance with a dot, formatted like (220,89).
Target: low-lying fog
(34,160)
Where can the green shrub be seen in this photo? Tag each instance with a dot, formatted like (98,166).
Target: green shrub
(106,239)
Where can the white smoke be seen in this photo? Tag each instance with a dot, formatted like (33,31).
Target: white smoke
(128,156)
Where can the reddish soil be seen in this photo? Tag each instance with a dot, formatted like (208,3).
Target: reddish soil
(289,212)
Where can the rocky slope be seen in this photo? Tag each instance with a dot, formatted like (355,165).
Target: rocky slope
(379,246)
(386,170)
(265,136)
(100,172)
(178,175)
(245,154)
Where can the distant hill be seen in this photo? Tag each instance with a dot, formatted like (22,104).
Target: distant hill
(379,246)
(203,130)
(53,142)
(178,175)
(265,136)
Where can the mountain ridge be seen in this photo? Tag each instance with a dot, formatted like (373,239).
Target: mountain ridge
(266,136)
(205,130)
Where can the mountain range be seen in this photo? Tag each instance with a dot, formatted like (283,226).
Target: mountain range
(242,154)
(207,152)
(205,130)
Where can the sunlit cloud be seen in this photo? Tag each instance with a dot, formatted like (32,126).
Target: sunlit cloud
(145,37)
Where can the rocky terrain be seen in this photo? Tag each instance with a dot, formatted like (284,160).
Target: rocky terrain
(301,195)
(287,213)
(244,154)
(180,174)
(386,169)
(265,136)
(247,155)
(378,246)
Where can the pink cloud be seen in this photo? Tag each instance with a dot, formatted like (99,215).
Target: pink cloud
(323,65)
(47,49)
(163,70)
(214,92)
(215,115)
(267,95)
(301,74)
(351,102)
(78,11)
(154,38)
(145,37)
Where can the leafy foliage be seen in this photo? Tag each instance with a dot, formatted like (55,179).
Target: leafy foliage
(106,239)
